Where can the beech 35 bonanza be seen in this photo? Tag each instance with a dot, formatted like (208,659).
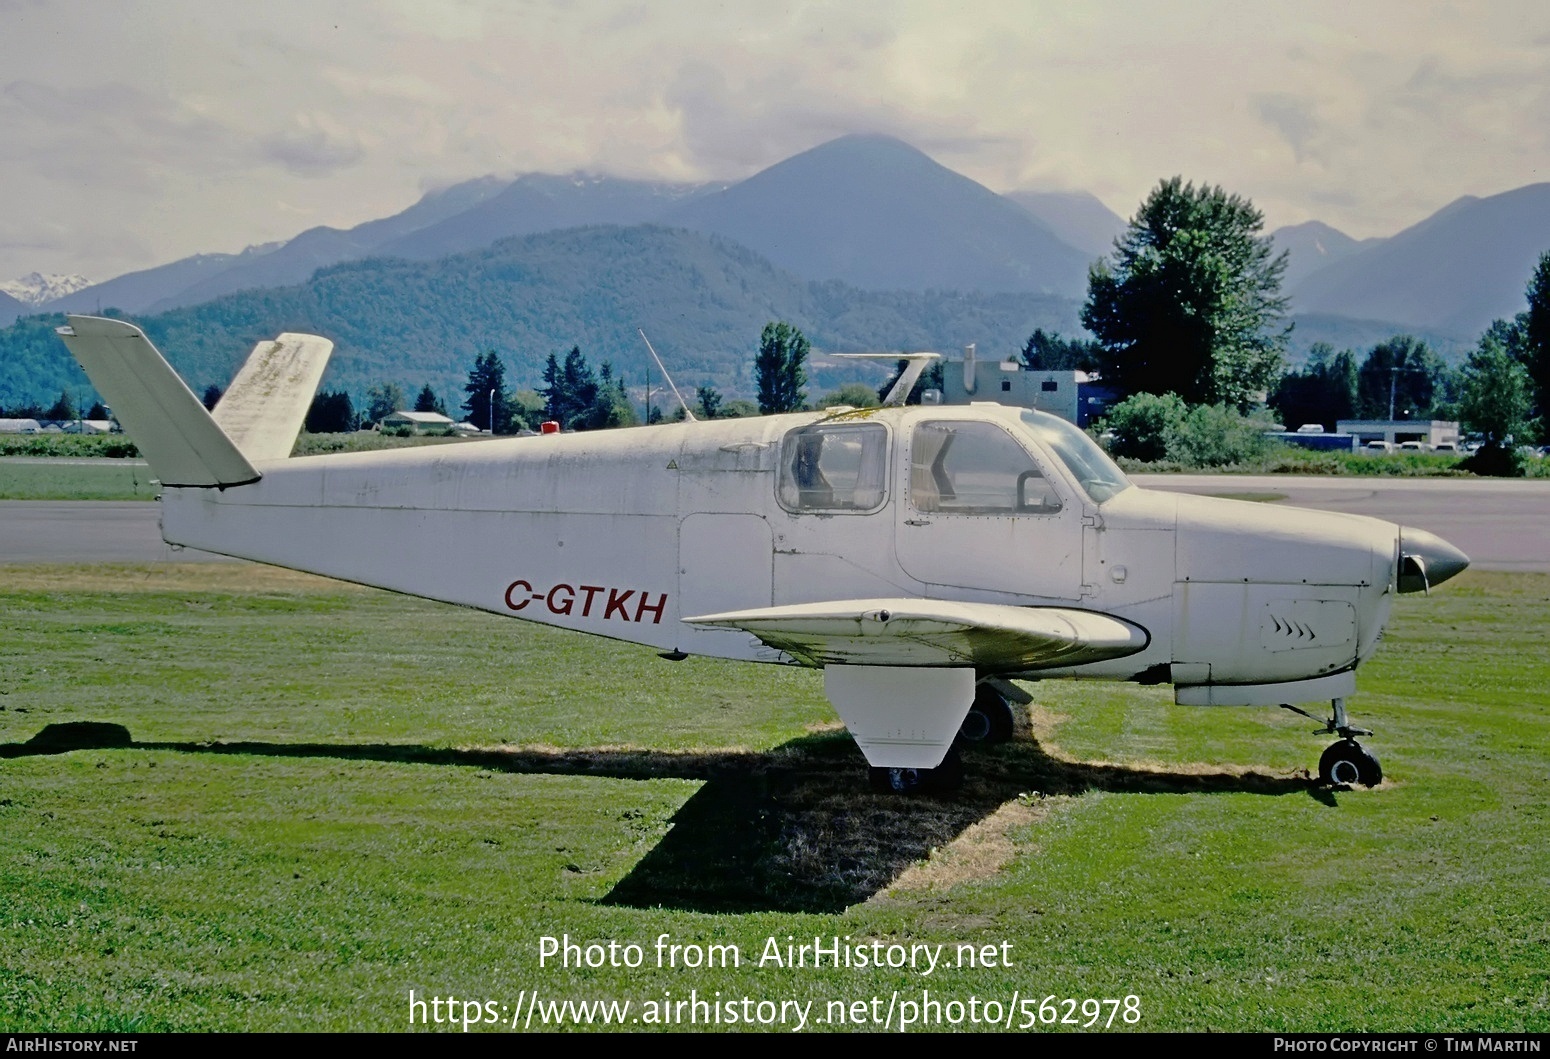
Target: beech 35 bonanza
(923,557)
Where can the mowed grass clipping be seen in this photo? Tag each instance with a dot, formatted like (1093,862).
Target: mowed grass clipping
(331,796)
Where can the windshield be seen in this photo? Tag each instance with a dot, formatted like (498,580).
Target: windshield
(1088,463)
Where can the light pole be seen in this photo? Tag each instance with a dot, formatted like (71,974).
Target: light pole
(492,411)
(1393,379)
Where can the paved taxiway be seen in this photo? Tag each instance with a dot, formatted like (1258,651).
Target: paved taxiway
(1500,525)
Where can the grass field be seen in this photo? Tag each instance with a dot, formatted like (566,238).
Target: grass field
(332,796)
(46,479)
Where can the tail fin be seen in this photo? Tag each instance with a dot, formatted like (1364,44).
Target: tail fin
(182,443)
(267,403)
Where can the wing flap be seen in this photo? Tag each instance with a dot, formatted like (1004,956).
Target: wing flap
(924,632)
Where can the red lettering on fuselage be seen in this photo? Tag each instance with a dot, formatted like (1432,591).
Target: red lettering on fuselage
(564,605)
(590,590)
(561,600)
(656,608)
(616,602)
(512,588)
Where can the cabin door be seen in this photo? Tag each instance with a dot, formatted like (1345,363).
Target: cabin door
(978,510)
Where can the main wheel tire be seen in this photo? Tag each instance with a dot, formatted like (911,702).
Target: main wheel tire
(946,777)
(989,720)
(1348,764)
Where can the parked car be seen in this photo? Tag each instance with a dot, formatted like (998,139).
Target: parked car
(1378,446)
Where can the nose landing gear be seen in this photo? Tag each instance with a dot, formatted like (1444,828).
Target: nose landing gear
(1346,763)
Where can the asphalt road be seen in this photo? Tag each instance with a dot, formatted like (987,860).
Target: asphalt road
(88,531)
(1500,525)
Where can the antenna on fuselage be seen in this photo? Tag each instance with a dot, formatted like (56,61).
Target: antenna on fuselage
(915,363)
(663,369)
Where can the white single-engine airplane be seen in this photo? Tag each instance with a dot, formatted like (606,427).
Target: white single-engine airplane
(922,557)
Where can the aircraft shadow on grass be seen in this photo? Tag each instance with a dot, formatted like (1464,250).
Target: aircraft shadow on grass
(792,829)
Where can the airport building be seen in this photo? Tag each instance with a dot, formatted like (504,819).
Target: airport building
(1431,433)
(1074,396)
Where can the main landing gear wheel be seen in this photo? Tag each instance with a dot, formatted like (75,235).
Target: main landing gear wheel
(989,720)
(947,776)
(1348,763)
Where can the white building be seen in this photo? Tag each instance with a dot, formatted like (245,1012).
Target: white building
(1429,432)
(1074,396)
(86,426)
(419,422)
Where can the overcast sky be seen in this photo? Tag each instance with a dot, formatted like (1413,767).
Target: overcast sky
(134,133)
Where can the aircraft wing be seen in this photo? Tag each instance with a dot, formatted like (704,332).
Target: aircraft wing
(942,633)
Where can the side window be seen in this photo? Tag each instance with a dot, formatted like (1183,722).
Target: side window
(975,469)
(834,467)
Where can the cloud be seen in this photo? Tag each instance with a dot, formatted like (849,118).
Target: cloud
(311,149)
(185,123)
(1290,116)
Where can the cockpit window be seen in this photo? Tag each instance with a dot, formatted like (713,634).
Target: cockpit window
(1098,475)
(834,467)
(971,468)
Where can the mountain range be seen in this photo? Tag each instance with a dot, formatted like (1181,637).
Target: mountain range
(1464,266)
(701,299)
(872,214)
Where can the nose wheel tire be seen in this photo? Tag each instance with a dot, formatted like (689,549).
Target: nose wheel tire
(1349,764)
(946,777)
(989,720)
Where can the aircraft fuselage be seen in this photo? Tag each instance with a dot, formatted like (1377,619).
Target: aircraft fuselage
(624,533)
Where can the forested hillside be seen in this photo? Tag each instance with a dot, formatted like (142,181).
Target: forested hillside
(701,300)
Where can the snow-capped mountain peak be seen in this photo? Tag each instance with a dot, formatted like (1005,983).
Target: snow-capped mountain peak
(35,288)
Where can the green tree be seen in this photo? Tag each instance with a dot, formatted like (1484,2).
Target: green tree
(212,397)
(62,409)
(1047,351)
(1218,435)
(1144,424)
(427,401)
(855,394)
(1324,392)
(1536,338)
(1401,374)
(332,412)
(578,398)
(780,369)
(1191,302)
(527,410)
(610,405)
(383,399)
(707,400)
(570,389)
(1495,396)
(487,405)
